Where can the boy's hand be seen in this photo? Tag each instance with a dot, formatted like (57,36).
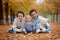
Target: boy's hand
(33,27)
(45,25)
(24,31)
(34,30)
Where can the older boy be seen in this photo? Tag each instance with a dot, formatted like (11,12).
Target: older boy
(39,19)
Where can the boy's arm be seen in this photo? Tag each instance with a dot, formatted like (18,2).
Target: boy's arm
(44,21)
(33,25)
(24,30)
(48,28)
(14,26)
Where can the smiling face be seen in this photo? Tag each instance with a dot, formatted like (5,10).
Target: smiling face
(34,14)
(28,18)
(20,16)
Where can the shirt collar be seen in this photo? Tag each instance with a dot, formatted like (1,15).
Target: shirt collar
(36,18)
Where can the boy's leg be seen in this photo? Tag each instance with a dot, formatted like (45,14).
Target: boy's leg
(48,29)
(19,30)
(24,31)
(38,31)
(29,31)
(11,30)
(38,28)
(43,30)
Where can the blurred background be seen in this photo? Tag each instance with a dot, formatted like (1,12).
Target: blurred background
(46,8)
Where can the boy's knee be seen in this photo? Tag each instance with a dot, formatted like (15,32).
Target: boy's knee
(38,30)
(24,30)
(43,30)
(11,31)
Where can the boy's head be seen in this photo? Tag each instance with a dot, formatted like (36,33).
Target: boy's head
(33,13)
(20,15)
(28,18)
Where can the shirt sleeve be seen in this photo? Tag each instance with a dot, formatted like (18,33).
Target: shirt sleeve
(23,26)
(33,25)
(37,26)
(48,29)
(44,19)
(14,26)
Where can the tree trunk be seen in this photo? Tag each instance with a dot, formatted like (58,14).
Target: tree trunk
(6,11)
(1,12)
(57,16)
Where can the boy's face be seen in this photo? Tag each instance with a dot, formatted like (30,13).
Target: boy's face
(34,14)
(28,19)
(20,16)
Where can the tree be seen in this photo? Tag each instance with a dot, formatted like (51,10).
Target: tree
(55,7)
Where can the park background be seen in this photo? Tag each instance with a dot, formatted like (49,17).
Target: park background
(46,8)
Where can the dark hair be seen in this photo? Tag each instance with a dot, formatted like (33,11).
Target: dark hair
(20,13)
(33,10)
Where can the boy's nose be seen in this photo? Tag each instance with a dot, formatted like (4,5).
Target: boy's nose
(19,17)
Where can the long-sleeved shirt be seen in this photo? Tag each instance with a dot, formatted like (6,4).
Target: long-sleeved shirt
(29,26)
(17,25)
(40,20)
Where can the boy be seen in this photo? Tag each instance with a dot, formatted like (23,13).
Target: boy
(38,19)
(29,27)
(18,23)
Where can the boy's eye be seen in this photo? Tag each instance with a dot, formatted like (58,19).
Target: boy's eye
(33,14)
(28,18)
(20,16)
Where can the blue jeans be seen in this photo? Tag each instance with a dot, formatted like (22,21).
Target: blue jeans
(28,31)
(37,26)
(47,29)
(11,31)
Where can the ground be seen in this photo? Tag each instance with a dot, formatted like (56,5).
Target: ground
(54,35)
